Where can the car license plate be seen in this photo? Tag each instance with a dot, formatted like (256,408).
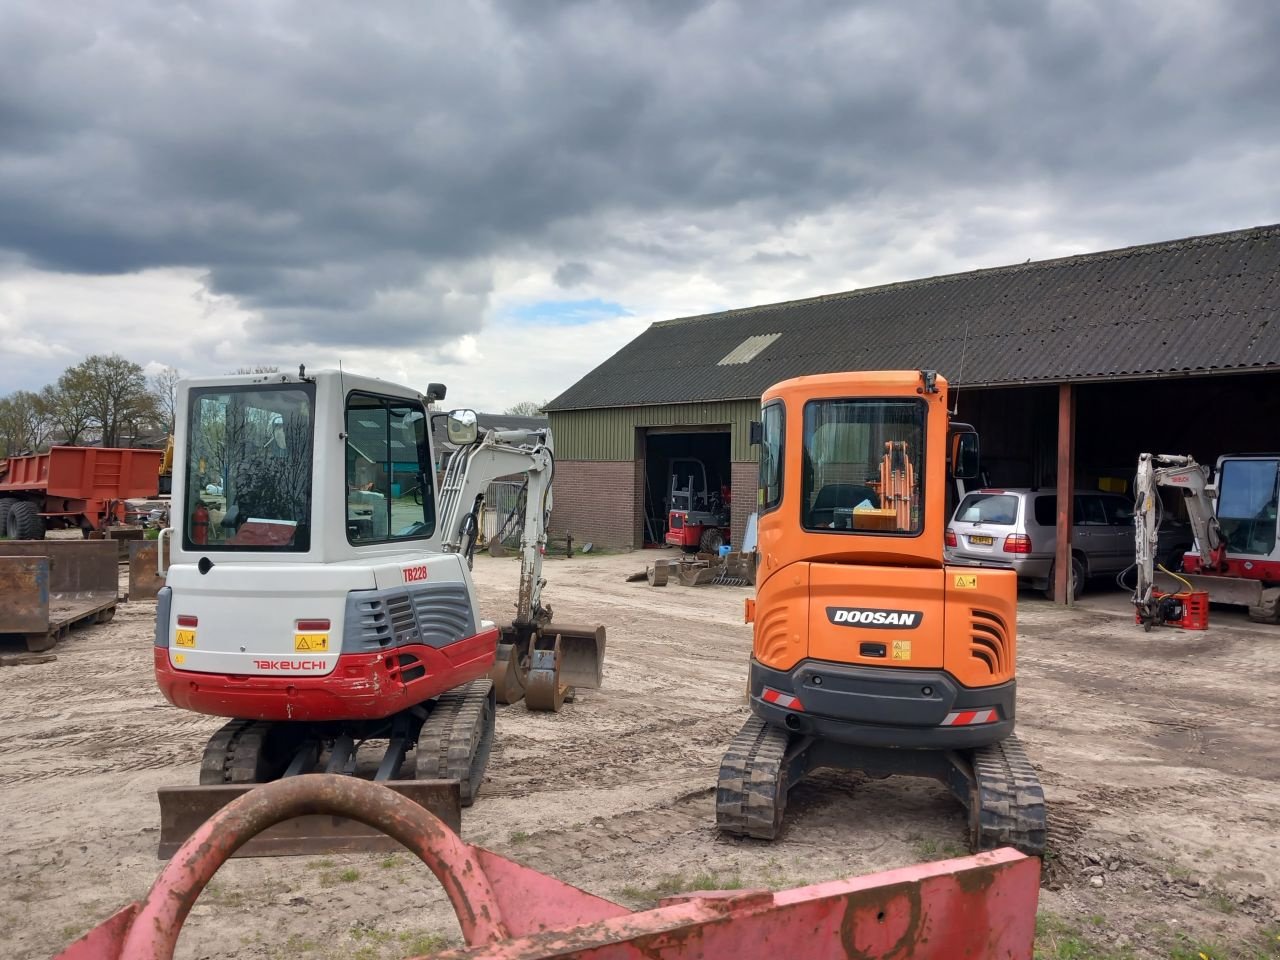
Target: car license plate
(982,541)
(311,642)
(185,638)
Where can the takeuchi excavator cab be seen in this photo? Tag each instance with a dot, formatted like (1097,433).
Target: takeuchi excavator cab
(870,652)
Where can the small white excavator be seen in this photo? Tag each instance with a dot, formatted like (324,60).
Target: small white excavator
(319,590)
(1237,554)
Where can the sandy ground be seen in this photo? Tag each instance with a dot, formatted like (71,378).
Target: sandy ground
(1158,753)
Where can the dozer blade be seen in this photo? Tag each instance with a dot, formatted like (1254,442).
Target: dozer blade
(581,653)
(184,809)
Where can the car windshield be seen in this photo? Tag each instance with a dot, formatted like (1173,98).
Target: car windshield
(863,466)
(248,484)
(998,508)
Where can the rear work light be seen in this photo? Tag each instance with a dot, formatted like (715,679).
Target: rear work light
(312,626)
(1017,543)
(186,620)
(951,538)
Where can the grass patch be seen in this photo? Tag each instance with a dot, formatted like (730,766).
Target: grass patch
(417,943)
(219,894)
(1059,939)
(518,836)
(671,884)
(296,946)
(349,875)
(391,862)
(361,933)
(323,864)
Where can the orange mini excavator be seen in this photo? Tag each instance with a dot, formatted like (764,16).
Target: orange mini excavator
(871,652)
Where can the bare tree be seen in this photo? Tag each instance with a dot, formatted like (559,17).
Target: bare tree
(525,408)
(118,396)
(24,425)
(164,389)
(68,408)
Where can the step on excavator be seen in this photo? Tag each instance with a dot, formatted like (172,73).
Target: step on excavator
(319,594)
(870,652)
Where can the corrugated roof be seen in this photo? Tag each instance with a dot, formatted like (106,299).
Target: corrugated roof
(1197,305)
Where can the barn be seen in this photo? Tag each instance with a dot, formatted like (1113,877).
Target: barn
(1069,368)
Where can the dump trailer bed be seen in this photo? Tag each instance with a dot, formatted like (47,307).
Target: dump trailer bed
(48,587)
(78,487)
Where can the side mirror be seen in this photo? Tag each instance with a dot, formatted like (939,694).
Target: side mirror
(757,433)
(462,427)
(964,456)
(435,391)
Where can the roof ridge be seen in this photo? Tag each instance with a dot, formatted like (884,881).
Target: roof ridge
(1206,239)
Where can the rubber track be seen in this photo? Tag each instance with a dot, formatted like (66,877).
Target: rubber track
(456,739)
(232,754)
(750,795)
(1010,799)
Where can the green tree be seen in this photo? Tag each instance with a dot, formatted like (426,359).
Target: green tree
(24,425)
(119,399)
(525,408)
(67,407)
(164,390)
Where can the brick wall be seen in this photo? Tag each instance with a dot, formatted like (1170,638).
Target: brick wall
(598,501)
(744,478)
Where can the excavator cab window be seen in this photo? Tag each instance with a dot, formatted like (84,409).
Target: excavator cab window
(771,437)
(863,466)
(390,495)
(1248,495)
(248,484)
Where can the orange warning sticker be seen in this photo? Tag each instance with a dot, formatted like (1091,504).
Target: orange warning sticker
(185,638)
(901,650)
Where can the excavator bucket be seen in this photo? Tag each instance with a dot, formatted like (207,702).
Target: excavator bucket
(581,654)
(183,810)
(982,907)
(559,658)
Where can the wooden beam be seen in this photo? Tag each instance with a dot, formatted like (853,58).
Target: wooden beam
(1066,492)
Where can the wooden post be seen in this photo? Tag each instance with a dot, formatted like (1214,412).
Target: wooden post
(1066,492)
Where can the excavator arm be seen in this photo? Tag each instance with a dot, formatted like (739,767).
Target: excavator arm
(1184,474)
(537,660)
(503,453)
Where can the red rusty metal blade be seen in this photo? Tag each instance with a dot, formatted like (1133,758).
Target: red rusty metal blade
(183,810)
(981,908)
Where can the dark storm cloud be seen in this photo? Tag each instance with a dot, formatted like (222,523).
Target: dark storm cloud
(349,170)
(571,273)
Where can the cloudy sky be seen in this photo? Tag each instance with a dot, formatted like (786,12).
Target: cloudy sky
(500,195)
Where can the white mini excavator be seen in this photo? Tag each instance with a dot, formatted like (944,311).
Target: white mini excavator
(319,591)
(1236,559)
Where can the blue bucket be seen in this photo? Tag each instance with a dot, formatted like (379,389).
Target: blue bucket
(724,550)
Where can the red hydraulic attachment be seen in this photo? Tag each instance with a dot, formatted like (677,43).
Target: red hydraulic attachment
(976,907)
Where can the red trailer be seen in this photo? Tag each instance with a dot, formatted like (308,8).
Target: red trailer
(76,487)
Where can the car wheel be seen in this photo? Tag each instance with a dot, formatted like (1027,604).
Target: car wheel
(1077,581)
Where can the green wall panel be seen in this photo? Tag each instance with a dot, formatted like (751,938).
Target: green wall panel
(610,433)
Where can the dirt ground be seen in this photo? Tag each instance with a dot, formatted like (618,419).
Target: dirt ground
(1158,753)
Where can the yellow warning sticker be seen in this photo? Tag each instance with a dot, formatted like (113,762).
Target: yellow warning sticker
(185,638)
(179,658)
(901,650)
(965,581)
(311,642)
